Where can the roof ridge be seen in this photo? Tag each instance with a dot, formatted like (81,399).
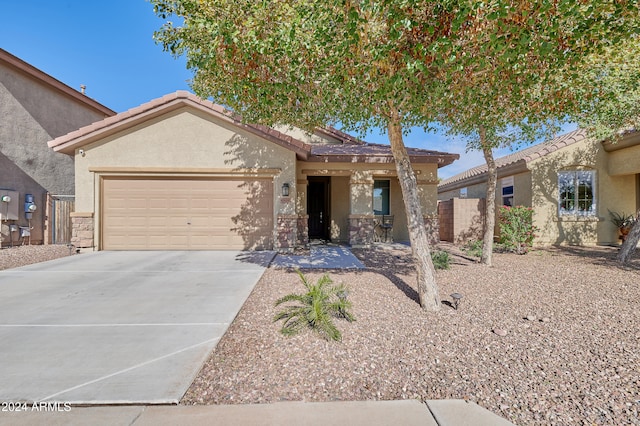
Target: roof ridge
(43,77)
(431,151)
(343,136)
(177,97)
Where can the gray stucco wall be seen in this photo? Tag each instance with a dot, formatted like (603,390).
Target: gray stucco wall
(31,114)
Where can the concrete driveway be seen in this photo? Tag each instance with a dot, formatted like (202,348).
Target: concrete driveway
(117,327)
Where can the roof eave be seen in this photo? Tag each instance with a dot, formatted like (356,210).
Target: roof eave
(440,160)
(56,84)
(627,140)
(344,137)
(69,146)
(507,170)
(69,143)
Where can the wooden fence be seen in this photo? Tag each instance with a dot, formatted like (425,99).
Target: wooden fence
(61,207)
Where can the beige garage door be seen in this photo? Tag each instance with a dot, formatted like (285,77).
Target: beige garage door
(187,214)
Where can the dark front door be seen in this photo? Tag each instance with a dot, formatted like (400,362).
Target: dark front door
(318,207)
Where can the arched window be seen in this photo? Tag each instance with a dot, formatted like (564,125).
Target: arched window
(577,192)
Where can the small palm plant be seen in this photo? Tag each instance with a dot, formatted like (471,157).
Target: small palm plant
(315,309)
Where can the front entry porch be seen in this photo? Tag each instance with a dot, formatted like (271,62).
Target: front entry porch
(349,207)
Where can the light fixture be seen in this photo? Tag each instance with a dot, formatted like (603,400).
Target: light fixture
(6,199)
(285,189)
(456,300)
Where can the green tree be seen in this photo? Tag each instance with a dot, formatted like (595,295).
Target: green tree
(512,85)
(309,63)
(392,64)
(608,88)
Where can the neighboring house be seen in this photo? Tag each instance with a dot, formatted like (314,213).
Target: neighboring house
(571,182)
(35,108)
(182,173)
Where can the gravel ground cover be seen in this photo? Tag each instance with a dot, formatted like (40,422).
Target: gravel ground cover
(14,257)
(570,353)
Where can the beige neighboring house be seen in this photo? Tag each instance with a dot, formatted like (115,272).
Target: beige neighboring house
(182,173)
(34,180)
(571,182)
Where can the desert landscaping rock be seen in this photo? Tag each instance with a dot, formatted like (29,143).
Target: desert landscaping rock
(583,370)
(531,317)
(14,257)
(500,332)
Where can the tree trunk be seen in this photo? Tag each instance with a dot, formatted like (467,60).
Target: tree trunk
(427,286)
(490,201)
(630,243)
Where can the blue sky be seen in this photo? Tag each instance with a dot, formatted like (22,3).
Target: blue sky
(108,47)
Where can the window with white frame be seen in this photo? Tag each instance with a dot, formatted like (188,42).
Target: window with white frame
(507,191)
(576,192)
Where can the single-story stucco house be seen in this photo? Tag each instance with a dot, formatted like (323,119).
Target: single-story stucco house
(180,172)
(35,108)
(571,182)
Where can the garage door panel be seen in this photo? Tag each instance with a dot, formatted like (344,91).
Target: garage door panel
(193,214)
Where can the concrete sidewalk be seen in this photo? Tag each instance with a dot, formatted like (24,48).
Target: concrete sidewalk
(359,413)
(320,257)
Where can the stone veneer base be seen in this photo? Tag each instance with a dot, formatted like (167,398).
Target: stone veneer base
(82,228)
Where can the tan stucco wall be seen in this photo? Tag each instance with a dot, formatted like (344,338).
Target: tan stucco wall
(624,162)
(340,208)
(521,193)
(610,194)
(473,191)
(396,208)
(306,137)
(616,190)
(181,141)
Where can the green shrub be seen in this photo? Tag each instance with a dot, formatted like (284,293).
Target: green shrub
(315,309)
(440,259)
(516,229)
(473,248)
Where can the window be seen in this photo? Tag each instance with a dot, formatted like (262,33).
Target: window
(577,192)
(507,191)
(380,197)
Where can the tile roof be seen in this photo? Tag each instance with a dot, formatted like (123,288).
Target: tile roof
(156,107)
(524,156)
(350,150)
(376,153)
(344,137)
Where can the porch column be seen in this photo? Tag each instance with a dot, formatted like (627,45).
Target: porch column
(361,217)
(301,211)
(82,229)
(287,230)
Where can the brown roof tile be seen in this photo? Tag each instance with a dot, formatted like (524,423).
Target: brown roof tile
(67,143)
(351,149)
(379,153)
(526,155)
